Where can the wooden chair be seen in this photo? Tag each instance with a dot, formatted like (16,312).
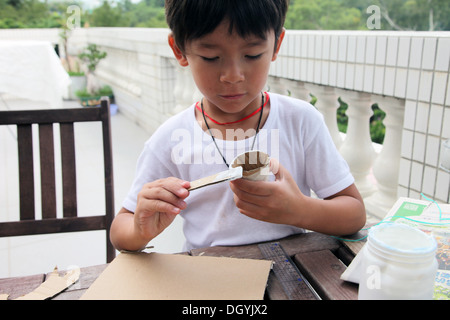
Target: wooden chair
(50,223)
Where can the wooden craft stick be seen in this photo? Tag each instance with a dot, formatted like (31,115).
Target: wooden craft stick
(228,175)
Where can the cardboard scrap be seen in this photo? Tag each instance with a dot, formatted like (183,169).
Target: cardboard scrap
(178,277)
(53,285)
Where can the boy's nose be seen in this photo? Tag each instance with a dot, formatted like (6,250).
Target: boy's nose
(232,73)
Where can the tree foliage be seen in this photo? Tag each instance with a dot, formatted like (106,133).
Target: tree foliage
(302,14)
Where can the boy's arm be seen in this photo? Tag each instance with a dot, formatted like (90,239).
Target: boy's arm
(282,201)
(158,203)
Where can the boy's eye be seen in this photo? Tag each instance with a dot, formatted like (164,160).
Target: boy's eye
(210,59)
(254,57)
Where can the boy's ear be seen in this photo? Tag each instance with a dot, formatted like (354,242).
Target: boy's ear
(181,58)
(279,41)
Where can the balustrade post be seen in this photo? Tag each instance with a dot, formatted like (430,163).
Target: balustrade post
(387,164)
(327,103)
(357,148)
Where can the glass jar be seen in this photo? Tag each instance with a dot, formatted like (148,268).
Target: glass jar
(399,262)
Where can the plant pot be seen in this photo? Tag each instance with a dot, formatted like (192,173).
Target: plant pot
(77,83)
(93,101)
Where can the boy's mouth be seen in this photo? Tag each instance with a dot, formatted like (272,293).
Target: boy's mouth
(232,96)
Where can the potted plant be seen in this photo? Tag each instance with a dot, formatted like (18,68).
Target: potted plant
(88,99)
(90,96)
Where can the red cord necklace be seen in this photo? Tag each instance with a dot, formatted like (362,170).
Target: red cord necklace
(225,123)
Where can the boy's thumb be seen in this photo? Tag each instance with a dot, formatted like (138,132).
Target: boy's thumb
(276,168)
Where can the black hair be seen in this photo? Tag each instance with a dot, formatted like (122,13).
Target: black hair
(192,19)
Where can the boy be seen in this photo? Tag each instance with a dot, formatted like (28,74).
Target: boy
(229,46)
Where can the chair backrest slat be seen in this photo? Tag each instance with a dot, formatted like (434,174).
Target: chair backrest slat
(47,156)
(50,223)
(26,172)
(68,170)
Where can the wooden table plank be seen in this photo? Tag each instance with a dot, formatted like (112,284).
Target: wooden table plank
(87,276)
(323,271)
(19,286)
(304,242)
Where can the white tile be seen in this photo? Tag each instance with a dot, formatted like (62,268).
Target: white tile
(334,47)
(360,49)
(392,51)
(422,112)
(290,70)
(426,82)
(340,81)
(412,86)
(429,53)
(317,71)
(380,58)
(303,70)
(326,47)
(429,180)
(419,147)
(342,54)
(443,54)
(349,76)
(304,46)
(400,82)
(311,47)
(404,172)
(332,74)
(416,176)
(402,192)
(407,144)
(436,118)
(297,45)
(368,78)
(359,77)
(415,54)
(389,81)
(291,46)
(439,87)
(310,72)
(351,49)
(432,153)
(370,50)
(318,47)
(446,123)
(378,80)
(403,52)
(442,186)
(325,72)
(447,99)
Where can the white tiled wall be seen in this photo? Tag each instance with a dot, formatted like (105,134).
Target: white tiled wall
(409,65)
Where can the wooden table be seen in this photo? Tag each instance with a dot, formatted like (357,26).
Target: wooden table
(320,258)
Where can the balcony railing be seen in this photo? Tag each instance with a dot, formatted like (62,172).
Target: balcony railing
(405,73)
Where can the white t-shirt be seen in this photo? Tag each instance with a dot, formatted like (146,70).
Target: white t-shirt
(294,133)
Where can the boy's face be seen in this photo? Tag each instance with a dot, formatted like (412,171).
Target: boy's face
(229,70)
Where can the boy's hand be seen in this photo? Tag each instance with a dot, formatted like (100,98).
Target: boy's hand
(276,202)
(158,203)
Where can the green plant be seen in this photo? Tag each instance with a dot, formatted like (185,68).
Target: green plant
(76,73)
(103,91)
(92,56)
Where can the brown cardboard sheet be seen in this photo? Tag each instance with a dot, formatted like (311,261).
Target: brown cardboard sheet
(180,277)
